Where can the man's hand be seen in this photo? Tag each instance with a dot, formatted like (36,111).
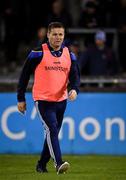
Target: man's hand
(21,107)
(72,95)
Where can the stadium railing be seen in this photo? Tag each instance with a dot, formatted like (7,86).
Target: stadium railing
(101,83)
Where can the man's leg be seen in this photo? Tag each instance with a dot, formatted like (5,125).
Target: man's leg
(47,113)
(45,154)
(61,107)
(44,158)
(60,110)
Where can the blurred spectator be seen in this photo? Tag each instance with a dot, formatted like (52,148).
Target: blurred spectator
(75,48)
(83,3)
(59,14)
(39,38)
(109,12)
(36,15)
(89,17)
(106,11)
(122,34)
(99,59)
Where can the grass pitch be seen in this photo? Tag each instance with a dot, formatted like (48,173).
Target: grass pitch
(84,167)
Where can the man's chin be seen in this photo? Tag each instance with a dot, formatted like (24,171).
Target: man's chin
(57,45)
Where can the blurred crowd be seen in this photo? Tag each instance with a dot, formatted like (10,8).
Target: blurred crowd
(23,26)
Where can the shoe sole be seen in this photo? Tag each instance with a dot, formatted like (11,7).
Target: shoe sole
(63,168)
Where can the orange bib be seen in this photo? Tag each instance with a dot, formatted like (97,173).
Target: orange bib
(51,76)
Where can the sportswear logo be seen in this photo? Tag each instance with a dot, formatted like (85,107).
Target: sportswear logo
(56,68)
(57,62)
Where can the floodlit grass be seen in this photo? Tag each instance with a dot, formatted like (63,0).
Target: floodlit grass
(84,167)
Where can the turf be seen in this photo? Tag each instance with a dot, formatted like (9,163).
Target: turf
(84,167)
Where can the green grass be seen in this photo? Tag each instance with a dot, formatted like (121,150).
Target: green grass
(85,167)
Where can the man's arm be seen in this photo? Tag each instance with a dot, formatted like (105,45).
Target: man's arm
(74,77)
(23,80)
(22,85)
(29,66)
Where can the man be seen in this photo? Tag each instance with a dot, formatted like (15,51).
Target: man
(99,59)
(53,66)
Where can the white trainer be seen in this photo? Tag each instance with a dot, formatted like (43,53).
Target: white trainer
(63,168)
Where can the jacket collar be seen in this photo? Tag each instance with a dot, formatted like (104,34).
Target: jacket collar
(52,50)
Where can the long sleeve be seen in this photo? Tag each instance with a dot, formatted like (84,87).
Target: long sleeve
(74,76)
(29,67)
(23,81)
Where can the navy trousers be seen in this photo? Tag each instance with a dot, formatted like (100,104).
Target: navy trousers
(51,115)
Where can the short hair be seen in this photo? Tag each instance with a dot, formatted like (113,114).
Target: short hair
(55,25)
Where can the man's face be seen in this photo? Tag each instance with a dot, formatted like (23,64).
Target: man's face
(99,42)
(56,37)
